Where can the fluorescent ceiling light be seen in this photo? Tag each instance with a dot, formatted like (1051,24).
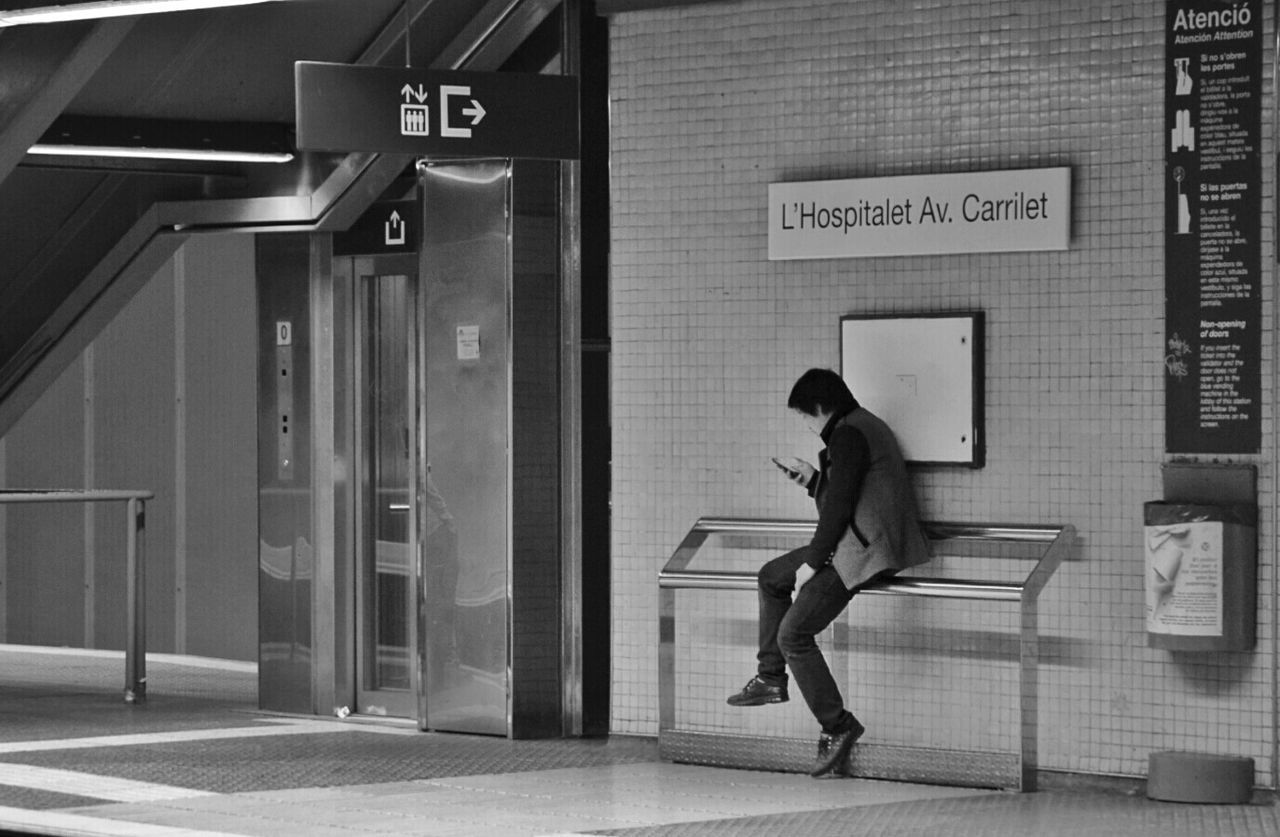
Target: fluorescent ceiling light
(196,154)
(111,8)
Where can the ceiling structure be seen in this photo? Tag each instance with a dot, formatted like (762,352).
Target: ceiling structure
(79,235)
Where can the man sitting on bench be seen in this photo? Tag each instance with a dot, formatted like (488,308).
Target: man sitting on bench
(868,528)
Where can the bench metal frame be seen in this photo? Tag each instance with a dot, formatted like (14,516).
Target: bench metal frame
(978,769)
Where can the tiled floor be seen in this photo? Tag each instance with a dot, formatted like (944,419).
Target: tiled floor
(198,759)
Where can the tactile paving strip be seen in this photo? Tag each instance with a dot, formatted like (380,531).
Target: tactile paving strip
(61,671)
(327,760)
(1041,814)
(28,714)
(41,800)
(58,693)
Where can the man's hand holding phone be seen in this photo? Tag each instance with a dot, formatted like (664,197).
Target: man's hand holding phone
(797,470)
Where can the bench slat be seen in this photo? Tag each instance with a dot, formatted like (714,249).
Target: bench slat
(950,588)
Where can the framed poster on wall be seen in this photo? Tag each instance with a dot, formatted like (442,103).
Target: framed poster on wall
(922,374)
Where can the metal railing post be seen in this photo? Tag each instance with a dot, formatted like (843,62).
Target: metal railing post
(135,652)
(135,663)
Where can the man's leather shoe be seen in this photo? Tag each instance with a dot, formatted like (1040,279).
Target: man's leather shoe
(758,693)
(833,750)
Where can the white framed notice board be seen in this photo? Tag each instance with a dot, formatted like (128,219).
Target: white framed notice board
(922,374)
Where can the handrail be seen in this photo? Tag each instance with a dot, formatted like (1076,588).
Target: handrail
(135,652)
(68,495)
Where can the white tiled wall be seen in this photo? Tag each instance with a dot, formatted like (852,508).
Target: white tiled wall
(711,103)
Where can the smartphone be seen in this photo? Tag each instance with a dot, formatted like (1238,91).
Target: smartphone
(790,472)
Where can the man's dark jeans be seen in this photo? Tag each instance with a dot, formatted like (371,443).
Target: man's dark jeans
(787,631)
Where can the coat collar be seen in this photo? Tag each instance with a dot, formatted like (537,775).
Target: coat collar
(835,419)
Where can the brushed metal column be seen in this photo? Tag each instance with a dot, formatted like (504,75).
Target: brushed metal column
(466,316)
(285,522)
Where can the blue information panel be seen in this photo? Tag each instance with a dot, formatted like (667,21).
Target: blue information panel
(1213,226)
(344,107)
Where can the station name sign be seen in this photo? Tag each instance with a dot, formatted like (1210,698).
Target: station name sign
(390,110)
(970,212)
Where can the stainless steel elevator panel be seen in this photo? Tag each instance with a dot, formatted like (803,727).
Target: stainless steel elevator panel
(466,315)
(286,563)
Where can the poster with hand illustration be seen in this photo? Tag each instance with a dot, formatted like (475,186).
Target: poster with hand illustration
(1184,578)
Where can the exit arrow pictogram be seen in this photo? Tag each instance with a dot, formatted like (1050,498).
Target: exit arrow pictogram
(476,112)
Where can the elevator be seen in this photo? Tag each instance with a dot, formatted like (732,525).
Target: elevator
(410,458)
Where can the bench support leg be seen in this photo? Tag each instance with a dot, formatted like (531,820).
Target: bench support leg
(666,659)
(1028,668)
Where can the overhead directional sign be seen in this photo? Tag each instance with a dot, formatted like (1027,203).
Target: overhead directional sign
(344,107)
(386,227)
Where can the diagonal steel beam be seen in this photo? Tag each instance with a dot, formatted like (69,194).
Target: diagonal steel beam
(26,128)
(493,35)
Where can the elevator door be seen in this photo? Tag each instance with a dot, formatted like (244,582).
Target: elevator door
(386,472)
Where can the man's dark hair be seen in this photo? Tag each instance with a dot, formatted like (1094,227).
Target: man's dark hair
(819,391)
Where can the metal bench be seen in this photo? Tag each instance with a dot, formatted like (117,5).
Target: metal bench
(981,769)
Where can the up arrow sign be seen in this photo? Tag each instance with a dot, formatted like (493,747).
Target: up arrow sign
(385,228)
(394,230)
(343,107)
(420,94)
